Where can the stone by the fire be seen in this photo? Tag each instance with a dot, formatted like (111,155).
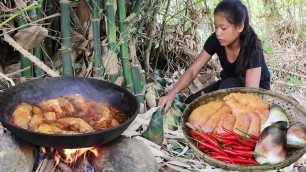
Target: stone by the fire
(125,155)
(16,155)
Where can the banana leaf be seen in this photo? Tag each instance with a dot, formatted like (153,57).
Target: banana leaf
(155,130)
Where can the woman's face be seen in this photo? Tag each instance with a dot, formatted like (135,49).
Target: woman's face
(226,32)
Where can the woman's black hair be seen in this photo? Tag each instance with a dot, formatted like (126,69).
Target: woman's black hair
(251,49)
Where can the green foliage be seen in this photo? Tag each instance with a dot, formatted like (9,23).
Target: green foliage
(268,47)
(155,130)
(293,79)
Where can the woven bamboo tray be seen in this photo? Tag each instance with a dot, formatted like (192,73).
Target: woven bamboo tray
(294,111)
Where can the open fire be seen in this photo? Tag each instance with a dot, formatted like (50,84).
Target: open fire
(52,159)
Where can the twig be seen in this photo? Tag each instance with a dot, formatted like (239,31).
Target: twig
(34,22)
(292,73)
(7,78)
(43,164)
(64,167)
(15,15)
(287,84)
(28,55)
(18,71)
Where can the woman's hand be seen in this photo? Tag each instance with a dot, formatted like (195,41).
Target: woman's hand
(166,101)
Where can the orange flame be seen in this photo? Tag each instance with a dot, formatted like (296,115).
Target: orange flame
(73,154)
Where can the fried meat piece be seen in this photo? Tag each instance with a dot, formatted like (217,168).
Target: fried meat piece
(243,119)
(22,115)
(202,114)
(227,121)
(36,119)
(51,105)
(212,123)
(77,124)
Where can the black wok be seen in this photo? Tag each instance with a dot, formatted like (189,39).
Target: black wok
(39,89)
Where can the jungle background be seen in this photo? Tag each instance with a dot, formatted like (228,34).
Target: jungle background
(134,43)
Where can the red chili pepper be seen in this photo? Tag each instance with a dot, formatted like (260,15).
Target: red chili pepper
(247,142)
(228,137)
(244,161)
(243,153)
(206,137)
(222,158)
(91,112)
(57,114)
(223,140)
(228,131)
(252,136)
(205,145)
(234,147)
(64,109)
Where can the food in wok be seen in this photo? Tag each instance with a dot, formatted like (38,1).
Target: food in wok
(73,114)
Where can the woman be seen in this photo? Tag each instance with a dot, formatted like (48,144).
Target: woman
(239,50)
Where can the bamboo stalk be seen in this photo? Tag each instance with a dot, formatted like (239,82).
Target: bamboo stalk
(37,49)
(65,6)
(137,5)
(28,55)
(49,42)
(97,5)
(88,6)
(111,30)
(124,50)
(76,21)
(24,61)
(150,43)
(161,36)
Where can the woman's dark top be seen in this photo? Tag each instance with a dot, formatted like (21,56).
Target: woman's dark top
(213,46)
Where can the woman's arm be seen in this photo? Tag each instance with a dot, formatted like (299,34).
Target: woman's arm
(185,80)
(252,77)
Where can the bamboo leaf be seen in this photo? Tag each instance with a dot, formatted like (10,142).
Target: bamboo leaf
(30,37)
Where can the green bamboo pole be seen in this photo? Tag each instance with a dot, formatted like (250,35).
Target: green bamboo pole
(34,15)
(65,7)
(25,62)
(161,36)
(97,6)
(137,5)
(124,50)
(49,42)
(111,29)
(76,21)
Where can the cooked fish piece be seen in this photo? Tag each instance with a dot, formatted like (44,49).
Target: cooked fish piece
(227,120)
(202,114)
(77,124)
(36,119)
(272,144)
(243,119)
(212,123)
(22,115)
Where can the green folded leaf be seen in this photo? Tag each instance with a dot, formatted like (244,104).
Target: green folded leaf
(155,130)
